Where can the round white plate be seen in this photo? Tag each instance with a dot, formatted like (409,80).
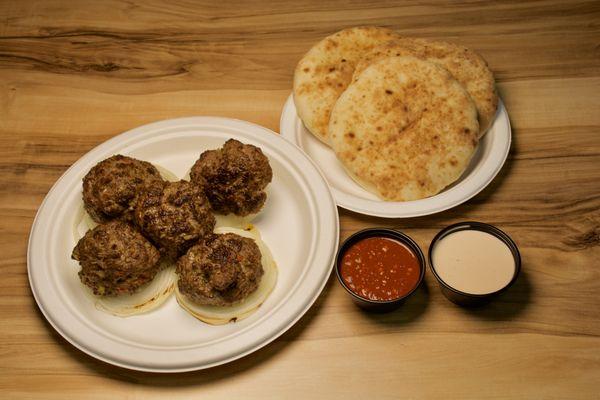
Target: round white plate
(299,223)
(486,163)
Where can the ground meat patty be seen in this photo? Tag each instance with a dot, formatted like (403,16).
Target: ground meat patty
(174,215)
(115,259)
(221,270)
(110,188)
(234,177)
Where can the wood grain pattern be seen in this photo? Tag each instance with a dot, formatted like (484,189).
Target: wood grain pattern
(73,74)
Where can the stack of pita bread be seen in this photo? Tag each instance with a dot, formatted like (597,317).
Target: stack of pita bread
(403,115)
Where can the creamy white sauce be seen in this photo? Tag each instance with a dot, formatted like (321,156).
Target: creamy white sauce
(473,262)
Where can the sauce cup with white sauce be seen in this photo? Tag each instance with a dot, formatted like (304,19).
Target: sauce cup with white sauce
(473,262)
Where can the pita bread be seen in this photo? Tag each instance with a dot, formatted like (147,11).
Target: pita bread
(405,129)
(326,70)
(467,67)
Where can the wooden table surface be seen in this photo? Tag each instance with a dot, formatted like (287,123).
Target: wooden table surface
(74,74)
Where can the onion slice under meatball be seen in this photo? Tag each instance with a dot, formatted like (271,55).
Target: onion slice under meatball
(82,223)
(147,298)
(166,174)
(234,221)
(220,315)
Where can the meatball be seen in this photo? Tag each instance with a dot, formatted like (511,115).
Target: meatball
(234,177)
(110,188)
(174,215)
(115,259)
(220,270)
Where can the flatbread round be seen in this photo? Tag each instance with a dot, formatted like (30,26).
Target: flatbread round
(405,129)
(467,67)
(326,70)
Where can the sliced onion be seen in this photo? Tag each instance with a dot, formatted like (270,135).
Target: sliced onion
(82,223)
(219,315)
(147,298)
(234,221)
(166,174)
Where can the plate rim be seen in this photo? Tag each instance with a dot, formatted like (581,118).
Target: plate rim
(329,207)
(289,118)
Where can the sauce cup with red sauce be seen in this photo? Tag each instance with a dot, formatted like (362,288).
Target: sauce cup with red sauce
(380,268)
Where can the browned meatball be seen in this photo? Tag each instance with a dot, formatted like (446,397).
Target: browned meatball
(115,259)
(234,177)
(174,215)
(110,188)
(220,270)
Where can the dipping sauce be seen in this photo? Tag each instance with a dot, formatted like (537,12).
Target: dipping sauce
(473,262)
(380,269)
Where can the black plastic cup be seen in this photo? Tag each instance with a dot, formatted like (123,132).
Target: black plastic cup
(375,305)
(469,299)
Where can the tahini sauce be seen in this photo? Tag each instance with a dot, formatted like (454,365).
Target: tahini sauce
(473,261)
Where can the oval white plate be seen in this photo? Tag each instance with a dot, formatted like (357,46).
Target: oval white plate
(486,163)
(299,223)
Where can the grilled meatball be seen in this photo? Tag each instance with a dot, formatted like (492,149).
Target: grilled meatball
(234,177)
(220,270)
(174,215)
(110,188)
(115,259)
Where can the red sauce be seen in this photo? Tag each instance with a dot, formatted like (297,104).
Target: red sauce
(380,268)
